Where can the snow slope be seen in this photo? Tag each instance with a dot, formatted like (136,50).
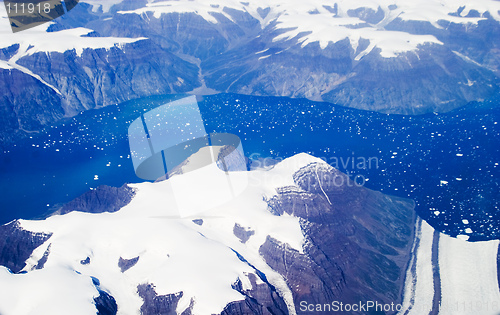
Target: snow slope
(175,254)
(47,291)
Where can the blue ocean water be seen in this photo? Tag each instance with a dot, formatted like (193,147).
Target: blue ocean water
(448,163)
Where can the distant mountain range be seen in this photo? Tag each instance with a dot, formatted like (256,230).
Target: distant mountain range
(409,57)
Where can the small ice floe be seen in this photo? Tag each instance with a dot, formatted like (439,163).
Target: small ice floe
(436,213)
(96,177)
(458,178)
(460,154)
(443,182)
(465,221)
(468,230)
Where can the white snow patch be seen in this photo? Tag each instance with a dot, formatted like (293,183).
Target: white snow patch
(105,5)
(5,65)
(51,290)
(25,70)
(37,39)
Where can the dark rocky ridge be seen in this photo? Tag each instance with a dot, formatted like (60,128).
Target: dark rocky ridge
(43,260)
(155,304)
(356,249)
(436,274)
(498,267)
(17,244)
(261,299)
(102,199)
(184,52)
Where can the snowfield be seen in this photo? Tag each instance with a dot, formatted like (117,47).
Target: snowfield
(175,254)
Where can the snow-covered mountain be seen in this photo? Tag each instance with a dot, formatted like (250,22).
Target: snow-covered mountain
(265,250)
(407,57)
(291,239)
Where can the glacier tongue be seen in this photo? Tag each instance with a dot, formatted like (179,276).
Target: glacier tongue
(469,282)
(465,273)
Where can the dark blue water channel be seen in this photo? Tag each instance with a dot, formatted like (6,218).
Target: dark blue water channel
(448,163)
